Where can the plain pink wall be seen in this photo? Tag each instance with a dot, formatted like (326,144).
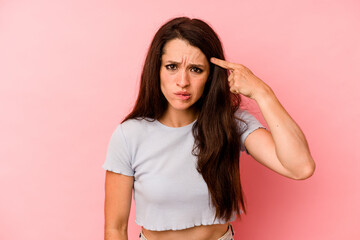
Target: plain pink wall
(69,72)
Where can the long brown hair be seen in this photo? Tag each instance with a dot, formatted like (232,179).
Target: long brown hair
(216,132)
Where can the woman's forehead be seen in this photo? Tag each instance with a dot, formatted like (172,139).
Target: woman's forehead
(178,50)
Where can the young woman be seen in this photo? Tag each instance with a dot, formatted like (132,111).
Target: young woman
(179,148)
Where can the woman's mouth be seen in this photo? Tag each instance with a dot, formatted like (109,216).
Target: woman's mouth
(183,95)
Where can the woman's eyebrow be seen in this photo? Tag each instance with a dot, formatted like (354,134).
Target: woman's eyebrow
(191,64)
(197,65)
(172,62)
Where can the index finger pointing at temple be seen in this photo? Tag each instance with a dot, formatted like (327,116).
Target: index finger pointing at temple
(223,63)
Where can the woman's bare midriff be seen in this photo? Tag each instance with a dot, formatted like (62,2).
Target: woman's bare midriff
(203,232)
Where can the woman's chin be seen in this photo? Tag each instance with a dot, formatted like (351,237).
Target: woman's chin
(181,107)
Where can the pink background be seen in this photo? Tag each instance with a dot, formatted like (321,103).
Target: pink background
(69,72)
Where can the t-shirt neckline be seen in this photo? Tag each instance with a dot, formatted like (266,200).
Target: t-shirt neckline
(175,128)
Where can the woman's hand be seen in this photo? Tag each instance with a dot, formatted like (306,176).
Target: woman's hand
(284,149)
(241,79)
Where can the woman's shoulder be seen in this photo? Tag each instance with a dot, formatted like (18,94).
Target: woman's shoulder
(245,119)
(137,122)
(243,114)
(136,125)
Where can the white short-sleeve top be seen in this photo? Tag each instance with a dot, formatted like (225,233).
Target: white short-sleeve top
(169,193)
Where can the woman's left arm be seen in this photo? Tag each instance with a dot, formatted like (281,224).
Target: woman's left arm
(284,149)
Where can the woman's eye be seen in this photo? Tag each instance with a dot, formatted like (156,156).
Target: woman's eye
(171,66)
(197,70)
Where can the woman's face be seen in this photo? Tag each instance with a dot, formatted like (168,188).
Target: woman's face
(183,74)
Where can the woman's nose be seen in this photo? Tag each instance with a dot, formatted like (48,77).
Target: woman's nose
(183,80)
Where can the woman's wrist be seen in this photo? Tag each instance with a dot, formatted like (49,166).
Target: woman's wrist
(264,94)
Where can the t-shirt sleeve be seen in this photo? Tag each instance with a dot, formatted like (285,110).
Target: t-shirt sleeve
(249,125)
(118,158)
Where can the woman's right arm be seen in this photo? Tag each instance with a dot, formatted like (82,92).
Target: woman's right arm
(118,196)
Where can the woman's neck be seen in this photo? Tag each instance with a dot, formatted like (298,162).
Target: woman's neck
(178,118)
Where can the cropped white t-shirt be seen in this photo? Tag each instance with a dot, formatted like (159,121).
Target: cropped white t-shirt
(169,193)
